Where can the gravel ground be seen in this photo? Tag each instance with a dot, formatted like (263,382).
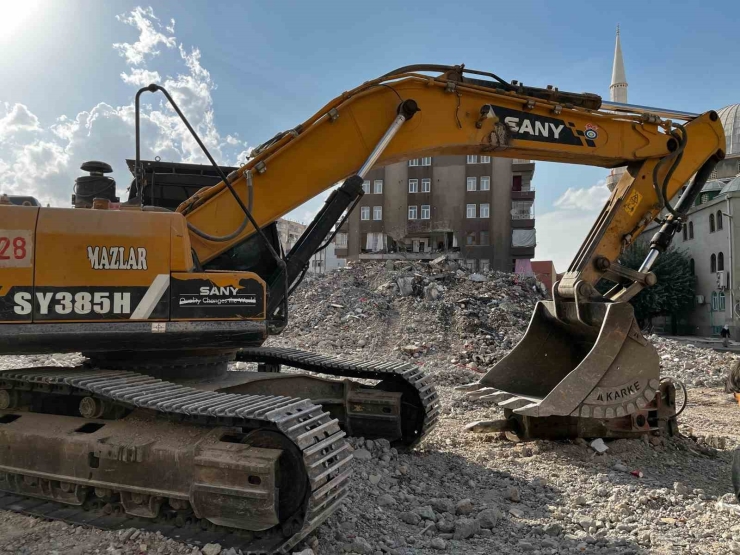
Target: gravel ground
(480,494)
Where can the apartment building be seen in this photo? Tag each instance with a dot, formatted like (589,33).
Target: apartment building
(321,262)
(475,208)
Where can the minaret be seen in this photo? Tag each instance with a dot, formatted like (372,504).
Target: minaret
(617,93)
(618,88)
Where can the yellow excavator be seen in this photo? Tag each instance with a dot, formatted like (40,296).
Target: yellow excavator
(154,427)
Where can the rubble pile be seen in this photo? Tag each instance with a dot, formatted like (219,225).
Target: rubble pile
(463,495)
(694,366)
(413,310)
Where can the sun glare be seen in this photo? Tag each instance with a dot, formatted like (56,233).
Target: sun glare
(15,15)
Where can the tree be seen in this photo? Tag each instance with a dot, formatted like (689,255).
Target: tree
(673,295)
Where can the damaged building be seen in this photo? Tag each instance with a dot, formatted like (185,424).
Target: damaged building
(478,209)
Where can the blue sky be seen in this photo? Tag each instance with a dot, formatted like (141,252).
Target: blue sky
(266,66)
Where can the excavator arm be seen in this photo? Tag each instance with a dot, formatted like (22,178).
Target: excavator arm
(462,115)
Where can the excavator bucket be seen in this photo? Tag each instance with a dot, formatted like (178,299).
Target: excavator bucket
(586,360)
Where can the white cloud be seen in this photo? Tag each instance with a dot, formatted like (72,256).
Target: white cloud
(140,77)
(17,119)
(150,35)
(43,160)
(561,231)
(584,198)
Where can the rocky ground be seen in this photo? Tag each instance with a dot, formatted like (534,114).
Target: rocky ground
(471,493)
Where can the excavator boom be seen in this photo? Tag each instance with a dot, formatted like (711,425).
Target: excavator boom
(456,117)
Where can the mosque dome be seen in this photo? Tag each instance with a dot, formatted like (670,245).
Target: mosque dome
(732,187)
(713,185)
(730,118)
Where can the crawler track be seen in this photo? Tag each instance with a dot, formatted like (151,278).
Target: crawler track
(401,373)
(326,455)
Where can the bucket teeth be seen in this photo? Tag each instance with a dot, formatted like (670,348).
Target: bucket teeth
(477,394)
(532,409)
(497,397)
(515,403)
(469,387)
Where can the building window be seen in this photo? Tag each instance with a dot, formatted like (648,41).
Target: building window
(521,210)
(485,210)
(378,187)
(414,162)
(375,242)
(691,266)
(691,230)
(426,185)
(366,187)
(413,185)
(365,213)
(484,238)
(470,263)
(719,219)
(485,183)
(412,212)
(426,161)
(720,262)
(484,264)
(516,183)
(485,159)
(471,211)
(471,184)
(721,301)
(425,212)
(470,238)
(713,264)
(713,175)
(472,159)
(715,301)
(377,212)
(685,232)
(711,223)
(341,240)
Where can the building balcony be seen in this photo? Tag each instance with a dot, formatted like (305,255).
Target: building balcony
(520,165)
(522,195)
(521,223)
(522,252)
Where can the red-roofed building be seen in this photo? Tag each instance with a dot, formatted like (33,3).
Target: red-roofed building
(545,272)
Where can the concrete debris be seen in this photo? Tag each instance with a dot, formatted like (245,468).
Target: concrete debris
(211,549)
(513,494)
(362,455)
(439,544)
(470,493)
(465,507)
(599,446)
(489,518)
(465,528)
(694,366)
(417,310)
